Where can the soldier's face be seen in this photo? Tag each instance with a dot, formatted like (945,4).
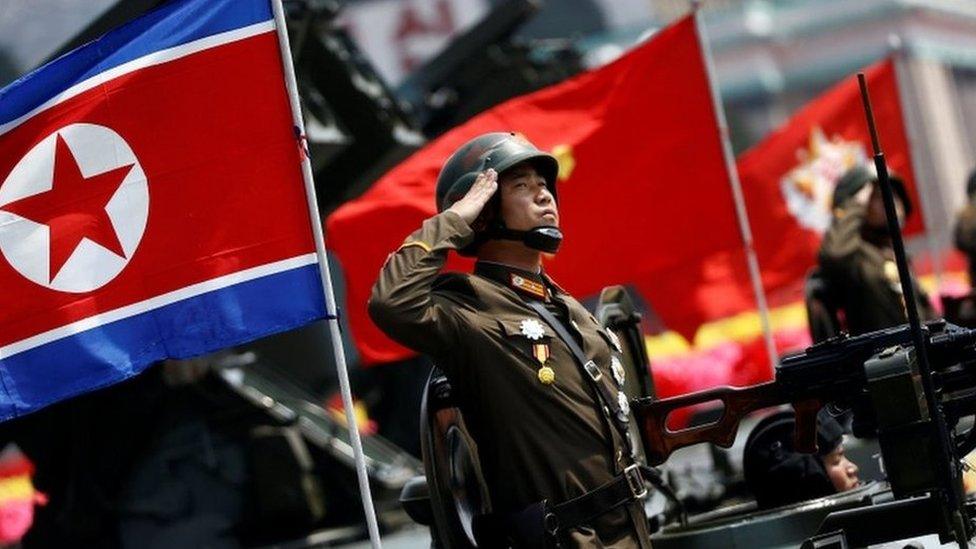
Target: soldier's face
(875,216)
(525,199)
(841,471)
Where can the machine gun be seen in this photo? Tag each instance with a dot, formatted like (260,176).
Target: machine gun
(909,385)
(840,371)
(877,376)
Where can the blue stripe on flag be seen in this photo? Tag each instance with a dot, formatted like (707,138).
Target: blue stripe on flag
(119,350)
(173,24)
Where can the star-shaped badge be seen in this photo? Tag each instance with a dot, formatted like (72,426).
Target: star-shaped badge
(532,329)
(618,370)
(623,402)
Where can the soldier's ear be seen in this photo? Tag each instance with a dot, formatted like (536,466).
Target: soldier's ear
(486,217)
(491,212)
(480,223)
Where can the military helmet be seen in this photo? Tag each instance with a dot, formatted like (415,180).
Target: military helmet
(855,178)
(775,472)
(499,151)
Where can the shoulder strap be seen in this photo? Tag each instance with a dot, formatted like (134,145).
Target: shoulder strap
(618,417)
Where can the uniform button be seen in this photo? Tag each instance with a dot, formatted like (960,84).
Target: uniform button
(606,411)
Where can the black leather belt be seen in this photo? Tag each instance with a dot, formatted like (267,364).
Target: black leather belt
(625,488)
(538,524)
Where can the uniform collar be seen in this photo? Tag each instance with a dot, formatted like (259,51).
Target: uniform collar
(526,283)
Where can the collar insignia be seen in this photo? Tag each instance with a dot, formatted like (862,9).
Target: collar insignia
(530,287)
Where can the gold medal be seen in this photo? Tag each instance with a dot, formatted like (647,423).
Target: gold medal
(547,375)
(541,353)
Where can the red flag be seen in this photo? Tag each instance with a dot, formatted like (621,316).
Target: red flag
(644,189)
(788,179)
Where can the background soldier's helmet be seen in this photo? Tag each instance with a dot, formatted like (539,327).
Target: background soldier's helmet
(854,180)
(776,473)
(498,151)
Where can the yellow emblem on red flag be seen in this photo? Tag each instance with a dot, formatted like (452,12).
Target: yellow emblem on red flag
(567,162)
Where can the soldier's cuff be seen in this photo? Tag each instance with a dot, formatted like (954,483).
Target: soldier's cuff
(458,232)
(444,231)
(455,231)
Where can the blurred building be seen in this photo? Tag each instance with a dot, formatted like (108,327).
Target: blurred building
(399,35)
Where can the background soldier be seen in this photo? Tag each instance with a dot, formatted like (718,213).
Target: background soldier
(550,427)
(966,228)
(857,258)
(778,475)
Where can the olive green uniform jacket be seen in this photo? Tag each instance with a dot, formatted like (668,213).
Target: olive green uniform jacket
(535,441)
(864,275)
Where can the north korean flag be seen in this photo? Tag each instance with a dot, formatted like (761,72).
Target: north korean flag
(151,202)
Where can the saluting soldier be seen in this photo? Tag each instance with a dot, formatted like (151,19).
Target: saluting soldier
(857,257)
(539,380)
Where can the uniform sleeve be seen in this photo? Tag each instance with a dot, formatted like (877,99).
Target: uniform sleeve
(842,244)
(402,303)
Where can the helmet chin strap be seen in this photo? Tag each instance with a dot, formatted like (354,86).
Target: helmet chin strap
(544,238)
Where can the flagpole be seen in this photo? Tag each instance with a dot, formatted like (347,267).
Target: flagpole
(326,277)
(741,213)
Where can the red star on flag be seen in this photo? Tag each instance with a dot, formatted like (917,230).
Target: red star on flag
(74,208)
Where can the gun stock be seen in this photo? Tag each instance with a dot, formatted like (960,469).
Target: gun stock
(736,403)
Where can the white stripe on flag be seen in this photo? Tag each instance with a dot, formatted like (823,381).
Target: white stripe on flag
(156,302)
(155,58)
